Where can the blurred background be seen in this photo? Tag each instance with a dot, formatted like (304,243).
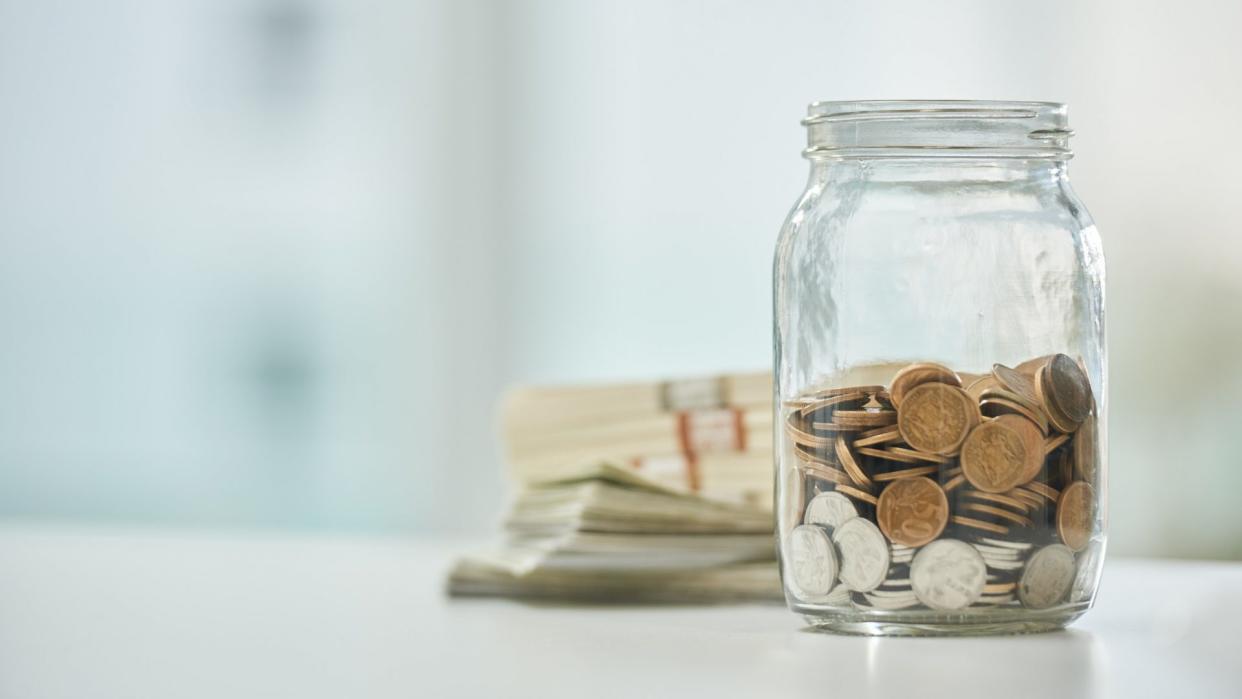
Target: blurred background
(270,263)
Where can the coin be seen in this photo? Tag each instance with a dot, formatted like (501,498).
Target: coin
(864,418)
(1076,515)
(912,511)
(953,483)
(857,494)
(984,383)
(1030,366)
(1003,499)
(994,457)
(886,454)
(884,436)
(1017,383)
(919,455)
(1056,419)
(979,524)
(1032,500)
(936,418)
(1043,489)
(993,407)
(820,404)
(829,510)
(850,465)
(914,375)
(1088,574)
(1068,387)
(1047,577)
(804,438)
(998,512)
(948,574)
(1032,438)
(864,554)
(812,562)
(824,472)
(904,473)
(1051,444)
(1084,448)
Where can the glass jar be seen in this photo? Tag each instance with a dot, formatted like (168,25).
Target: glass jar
(940,373)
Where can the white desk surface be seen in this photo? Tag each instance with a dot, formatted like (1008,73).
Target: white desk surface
(152,613)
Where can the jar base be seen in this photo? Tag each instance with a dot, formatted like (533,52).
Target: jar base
(972,622)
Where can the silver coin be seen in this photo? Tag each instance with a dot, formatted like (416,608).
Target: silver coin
(1088,576)
(948,574)
(864,554)
(812,562)
(997,552)
(830,509)
(1017,545)
(889,603)
(1047,578)
(839,597)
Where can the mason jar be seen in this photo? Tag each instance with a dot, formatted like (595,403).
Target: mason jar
(941,373)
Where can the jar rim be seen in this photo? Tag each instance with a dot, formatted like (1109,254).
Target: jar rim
(937,129)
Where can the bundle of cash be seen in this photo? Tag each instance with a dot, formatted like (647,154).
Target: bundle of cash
(607,533)
(709,436)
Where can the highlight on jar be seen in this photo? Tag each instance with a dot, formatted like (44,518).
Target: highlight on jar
(943,490)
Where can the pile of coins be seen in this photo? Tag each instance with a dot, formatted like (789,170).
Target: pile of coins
(945,490)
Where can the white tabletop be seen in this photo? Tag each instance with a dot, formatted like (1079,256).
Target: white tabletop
(146,613)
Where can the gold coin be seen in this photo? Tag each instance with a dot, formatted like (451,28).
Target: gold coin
(917,374)
(977,387)
(1016,383)
(820,404)
(865,418)
(884,436)
(1004,394)
(850,465)
(841,390)
(999,588)
(912,511)
(825,473)
(1047,491)
(993,407)
(858,494)
(1069,388)
(1076,515)
(834,427)
(968,378)
(919,455)
(1032,500)
(951,472)
(1032,438)
(885,454)
(936,418)
(826,457)
(1030,366)
(994,457)
(1084,447)
(998,512)
(1006,499)
(1065,467)
(904,473)
(1056,419)
(979,524)
(1053,442)
(808,439)
(954,483)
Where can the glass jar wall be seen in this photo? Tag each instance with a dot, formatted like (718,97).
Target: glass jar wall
(940,373)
